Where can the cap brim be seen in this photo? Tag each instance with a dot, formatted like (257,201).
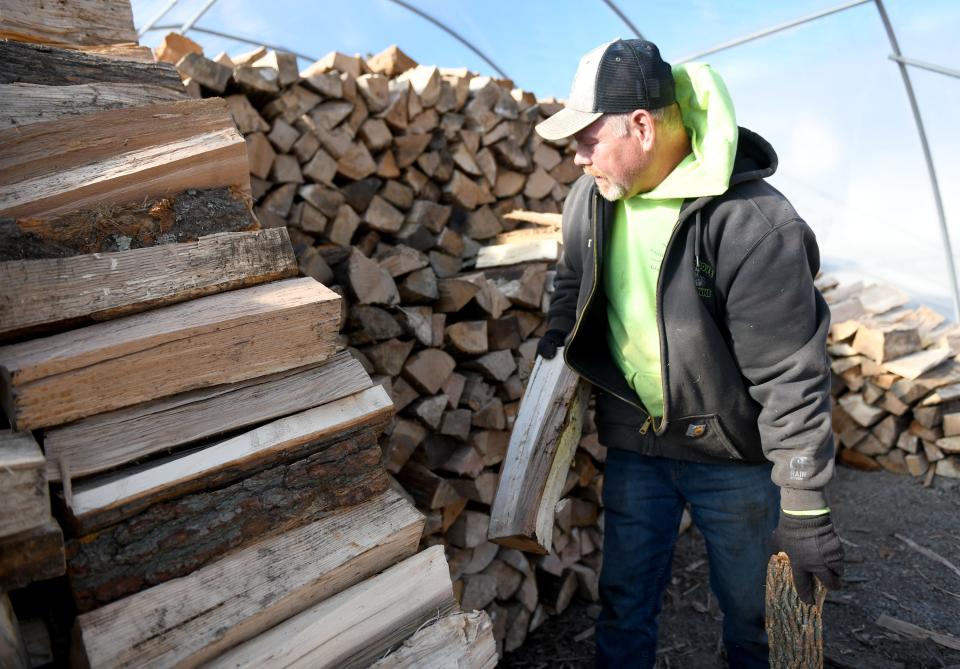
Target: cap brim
(566,122)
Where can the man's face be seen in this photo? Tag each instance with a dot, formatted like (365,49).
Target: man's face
(615,162)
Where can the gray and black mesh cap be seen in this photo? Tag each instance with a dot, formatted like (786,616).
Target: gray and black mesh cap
(614,78)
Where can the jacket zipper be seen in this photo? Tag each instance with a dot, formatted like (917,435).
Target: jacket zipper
(593,289)
(662,331)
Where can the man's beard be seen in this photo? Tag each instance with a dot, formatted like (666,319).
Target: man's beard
(610,190)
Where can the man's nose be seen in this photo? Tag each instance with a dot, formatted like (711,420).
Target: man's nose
(580,159)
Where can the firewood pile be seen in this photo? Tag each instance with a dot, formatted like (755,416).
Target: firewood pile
(212,450)
(227,461)
(896,382)
(424,197)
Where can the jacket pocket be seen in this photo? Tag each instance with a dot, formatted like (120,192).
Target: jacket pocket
(703,434)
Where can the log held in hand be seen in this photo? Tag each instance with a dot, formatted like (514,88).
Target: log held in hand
(794,628)
(545,435)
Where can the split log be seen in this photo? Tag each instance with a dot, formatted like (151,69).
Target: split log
(389,356)
(532,250)
(508,579)
(356,163)
(368,282)
(467,337)
(221,338)
(401,444)
(428,370)
(175,46)
(430,215)
(100,503)
(78,23)
(456,424)
(496,365)
(403,260)
(212,76)
(133,433)
(391,62)
(284,63)
(23,104)
(880,299)
(383,216)
(857,460)
(23,486)
(13,651)
(863,413)
(163,542)
(368,324)
(454,294)
(885,342)
(33,555)
(910,391)
(51,66)
(194,619)
(179,218)
(430,410)
(794,628)
(118,156)
(255,81)
(480,489)
(71,291)
(916,364)
(469,531)
(429,490)
(479,591)
(463,640)
(541,448)
(357,625)
(260,155)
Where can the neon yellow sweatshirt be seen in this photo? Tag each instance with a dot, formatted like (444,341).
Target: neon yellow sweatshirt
(643,224)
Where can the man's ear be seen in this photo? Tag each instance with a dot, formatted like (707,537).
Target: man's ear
(642,127)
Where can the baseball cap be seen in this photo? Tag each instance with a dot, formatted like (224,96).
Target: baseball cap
(614,78)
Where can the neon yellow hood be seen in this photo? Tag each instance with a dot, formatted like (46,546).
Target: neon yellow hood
(710,121)
(643,224)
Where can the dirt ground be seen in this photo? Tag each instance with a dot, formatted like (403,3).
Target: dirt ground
(874,513)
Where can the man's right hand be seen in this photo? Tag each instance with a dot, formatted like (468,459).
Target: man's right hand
(550,342)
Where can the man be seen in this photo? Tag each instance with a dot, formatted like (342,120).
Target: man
(685,296)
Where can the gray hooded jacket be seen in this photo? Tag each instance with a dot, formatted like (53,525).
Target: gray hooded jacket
(743,331)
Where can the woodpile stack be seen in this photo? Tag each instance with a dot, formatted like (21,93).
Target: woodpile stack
(896,382)
(213,451)
(424,197)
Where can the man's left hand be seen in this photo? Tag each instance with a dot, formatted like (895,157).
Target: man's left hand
(814,550)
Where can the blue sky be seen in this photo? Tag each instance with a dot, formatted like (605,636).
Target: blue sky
(824,94)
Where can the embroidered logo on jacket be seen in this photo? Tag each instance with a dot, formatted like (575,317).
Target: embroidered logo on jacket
(696,430)
(801,467)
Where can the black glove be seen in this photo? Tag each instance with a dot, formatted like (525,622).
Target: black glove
(814,550)
(549,342)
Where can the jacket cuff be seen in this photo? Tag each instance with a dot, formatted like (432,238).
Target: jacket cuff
(802,500)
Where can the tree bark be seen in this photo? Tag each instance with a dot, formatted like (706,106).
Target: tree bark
(794,629)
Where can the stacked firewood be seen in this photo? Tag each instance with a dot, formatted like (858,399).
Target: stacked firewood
(424,197)
(218,493)
(896,382)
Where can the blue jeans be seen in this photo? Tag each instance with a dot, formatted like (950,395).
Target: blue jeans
(735,507)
